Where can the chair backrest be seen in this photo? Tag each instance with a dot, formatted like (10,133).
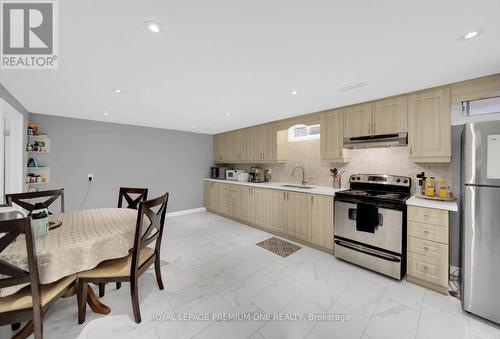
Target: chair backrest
(13,275)
(146,234)
(20,199)
(133,203)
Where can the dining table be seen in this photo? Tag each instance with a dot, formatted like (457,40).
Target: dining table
(80,241)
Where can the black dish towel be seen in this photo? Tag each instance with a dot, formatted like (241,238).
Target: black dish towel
(366,218)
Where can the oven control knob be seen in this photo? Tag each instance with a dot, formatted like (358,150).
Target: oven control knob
(359,178)
(405,181)
(353,178)
(398,180)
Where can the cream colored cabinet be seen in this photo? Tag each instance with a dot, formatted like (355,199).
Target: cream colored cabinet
(322,221)
(427,250)
(209,195)
(390,116)
(263,143)
(429,126)
(222,199)
(270,209)
(332,135)
(302,216)
(219,141)
(298,215)
(358,120)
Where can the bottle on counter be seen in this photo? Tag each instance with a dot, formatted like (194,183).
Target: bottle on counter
(443,188)
(430,187)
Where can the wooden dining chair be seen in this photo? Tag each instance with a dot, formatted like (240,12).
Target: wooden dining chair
(132,203)
(32,301)
(20,199)
(131,267)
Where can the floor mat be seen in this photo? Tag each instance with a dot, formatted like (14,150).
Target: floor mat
(279,246)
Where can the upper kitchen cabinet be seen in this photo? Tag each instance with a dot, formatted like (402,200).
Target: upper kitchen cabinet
(219,143)
(358,120)
(332,135)
(390,116)
(259,144)
(429,126)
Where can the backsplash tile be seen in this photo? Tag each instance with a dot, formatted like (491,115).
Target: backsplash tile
(394,161)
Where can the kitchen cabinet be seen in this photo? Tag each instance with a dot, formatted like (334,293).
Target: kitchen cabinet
(379,117)
(427,250)
(222,201)
(303,217)
(429,126)
(358,120)
(270,209)
(332,136)
(322,220)
(209,195)
(219,147)
(263,143)
(390,116)
(298,215)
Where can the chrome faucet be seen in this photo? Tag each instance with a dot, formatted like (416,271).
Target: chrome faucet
(304,182)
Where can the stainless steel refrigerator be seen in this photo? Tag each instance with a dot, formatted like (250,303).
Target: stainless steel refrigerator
(480,200)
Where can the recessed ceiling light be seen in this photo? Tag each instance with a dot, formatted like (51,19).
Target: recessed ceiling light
(117,90)
(228,114)
(470,35)
(194,126)
(294,92)
(153,26)
(106,114)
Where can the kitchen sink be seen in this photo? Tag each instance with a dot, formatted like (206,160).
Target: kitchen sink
(298,186)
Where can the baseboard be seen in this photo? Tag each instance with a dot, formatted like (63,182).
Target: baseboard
(183,212)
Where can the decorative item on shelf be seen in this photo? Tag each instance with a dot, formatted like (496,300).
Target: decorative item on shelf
(32,178)
(32,129)
(420,180)
(32,163)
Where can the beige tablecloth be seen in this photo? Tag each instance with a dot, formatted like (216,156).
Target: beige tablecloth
(85,239)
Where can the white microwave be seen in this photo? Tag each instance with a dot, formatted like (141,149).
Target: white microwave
(232,175)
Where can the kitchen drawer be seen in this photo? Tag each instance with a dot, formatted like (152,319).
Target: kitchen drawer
(428,215)
(428,248)
(428,232)
(428,269)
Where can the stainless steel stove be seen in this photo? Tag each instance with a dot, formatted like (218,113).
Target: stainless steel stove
(370,223)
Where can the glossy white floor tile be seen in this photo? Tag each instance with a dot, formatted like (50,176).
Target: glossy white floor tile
(214,267)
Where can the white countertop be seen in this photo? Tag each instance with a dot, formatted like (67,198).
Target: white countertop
(323,190)
(441,205)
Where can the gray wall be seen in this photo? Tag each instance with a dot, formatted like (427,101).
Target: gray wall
(123,155)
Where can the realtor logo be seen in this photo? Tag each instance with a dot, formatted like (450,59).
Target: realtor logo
(29,35)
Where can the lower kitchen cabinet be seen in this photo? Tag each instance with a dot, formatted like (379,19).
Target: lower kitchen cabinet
(322,221)
(427,252)
(270,209)
(302,217)
(210,195)
(298,215)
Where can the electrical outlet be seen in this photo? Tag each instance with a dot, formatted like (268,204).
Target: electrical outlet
(90,176)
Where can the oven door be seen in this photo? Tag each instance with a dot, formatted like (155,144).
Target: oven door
(388,234)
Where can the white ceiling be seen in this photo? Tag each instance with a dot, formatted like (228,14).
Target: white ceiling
(246,57)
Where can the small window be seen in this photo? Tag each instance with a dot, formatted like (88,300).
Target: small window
(481,106)
(303,132)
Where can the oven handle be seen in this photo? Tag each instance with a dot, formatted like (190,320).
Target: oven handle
(367,250)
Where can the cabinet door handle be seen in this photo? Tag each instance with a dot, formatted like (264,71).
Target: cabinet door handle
(426,248)
(374,129)
(312,199)
(369,128)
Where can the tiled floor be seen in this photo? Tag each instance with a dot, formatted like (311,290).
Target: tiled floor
(216,268)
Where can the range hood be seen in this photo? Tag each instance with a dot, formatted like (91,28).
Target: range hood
(381,140)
